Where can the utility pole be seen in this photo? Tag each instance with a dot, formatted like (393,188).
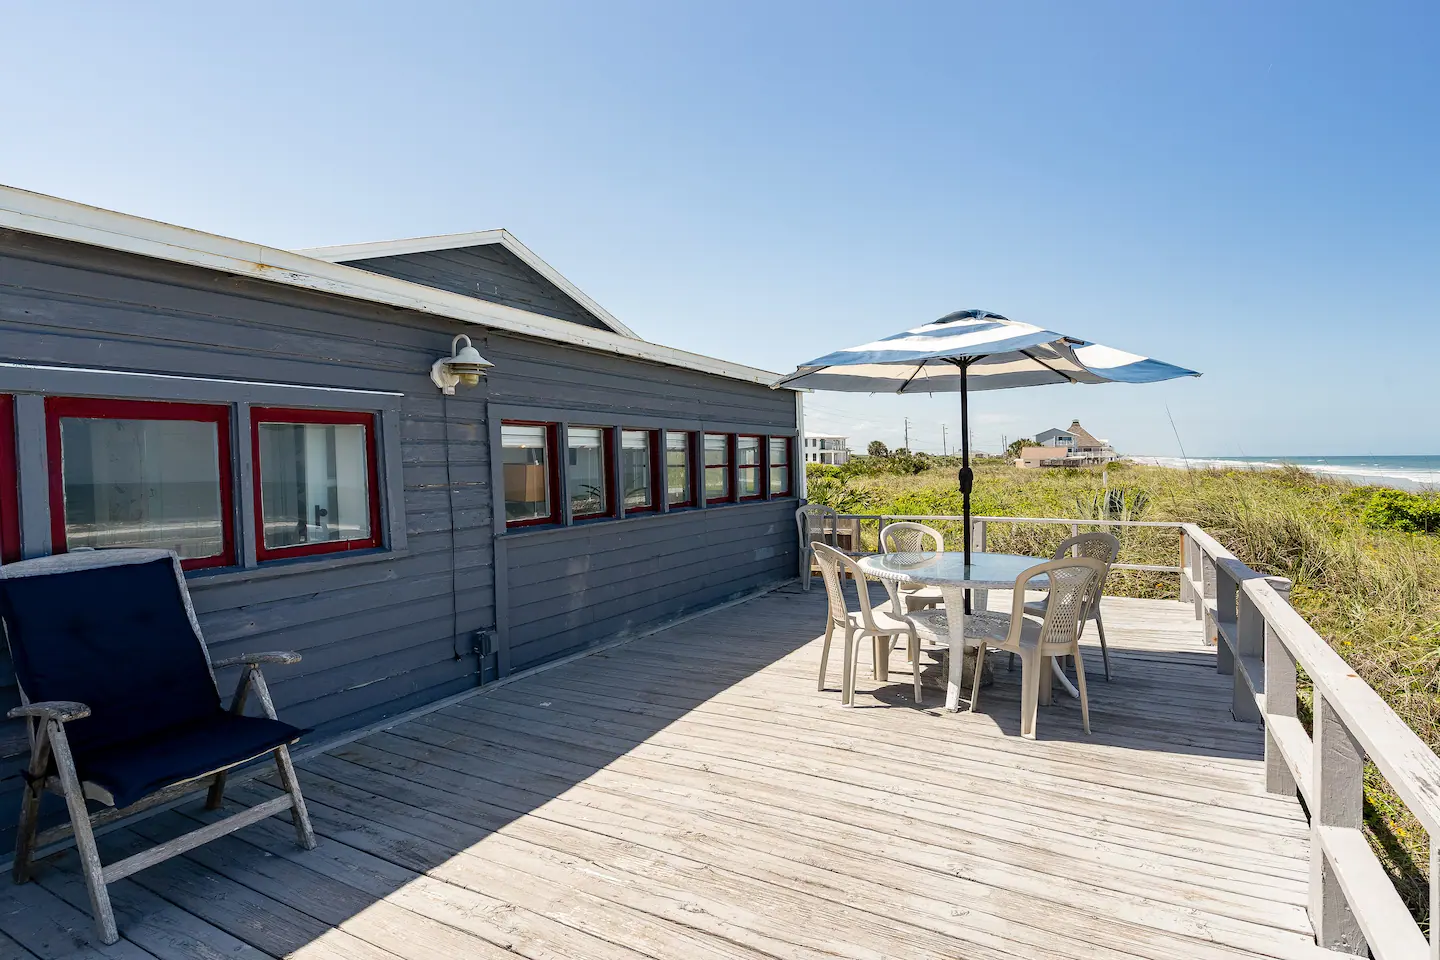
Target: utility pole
(944,450)
(907,434)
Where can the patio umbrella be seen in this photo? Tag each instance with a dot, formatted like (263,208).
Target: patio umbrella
(974,350)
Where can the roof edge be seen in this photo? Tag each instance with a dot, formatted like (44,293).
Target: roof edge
(48,216)
(345,253)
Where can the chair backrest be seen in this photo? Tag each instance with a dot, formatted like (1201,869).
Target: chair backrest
(1104,547)
(1074,583)
(815,521)
(113,629)
(907,536)
(833,565)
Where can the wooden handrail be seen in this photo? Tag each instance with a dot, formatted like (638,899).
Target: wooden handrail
(1262,641)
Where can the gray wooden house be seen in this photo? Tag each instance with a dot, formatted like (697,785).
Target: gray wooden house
(271,416)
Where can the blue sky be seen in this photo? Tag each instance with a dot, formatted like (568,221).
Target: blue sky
(1247,189)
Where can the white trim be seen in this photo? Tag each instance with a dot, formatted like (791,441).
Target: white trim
(802,489)
(55,368)
(454,241)
(66,220)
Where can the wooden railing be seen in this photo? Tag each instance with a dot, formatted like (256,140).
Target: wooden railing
(1263,642)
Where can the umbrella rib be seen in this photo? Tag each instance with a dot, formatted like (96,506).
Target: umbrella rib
(911,379)
(1027,353)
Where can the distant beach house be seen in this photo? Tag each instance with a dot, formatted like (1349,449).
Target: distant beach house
(827,448)
(1081,449)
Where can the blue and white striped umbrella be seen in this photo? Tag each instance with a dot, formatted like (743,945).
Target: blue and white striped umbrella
(975,350)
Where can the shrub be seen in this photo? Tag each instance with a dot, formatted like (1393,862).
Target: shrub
(1405,512)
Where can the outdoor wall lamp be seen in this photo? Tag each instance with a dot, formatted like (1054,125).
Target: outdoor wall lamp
(464,365)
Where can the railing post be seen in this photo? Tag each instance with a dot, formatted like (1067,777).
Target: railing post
(1226,589)
(1250,650)
(1434,899)
(1186,596)
(1338,787)
(1280,701)
(1197,576)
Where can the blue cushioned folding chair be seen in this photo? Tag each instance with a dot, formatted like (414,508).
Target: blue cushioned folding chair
(120,698)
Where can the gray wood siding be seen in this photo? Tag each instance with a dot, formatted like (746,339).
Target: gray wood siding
(384,634)
(377,637)
(566,589)
(488,272)
(588,584)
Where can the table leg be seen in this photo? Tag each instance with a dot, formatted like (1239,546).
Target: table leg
(1059,672)
(955,614)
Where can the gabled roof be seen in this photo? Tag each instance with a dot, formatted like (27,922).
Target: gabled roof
(48,216)
(455,241)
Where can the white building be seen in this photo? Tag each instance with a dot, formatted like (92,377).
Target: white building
(826,448)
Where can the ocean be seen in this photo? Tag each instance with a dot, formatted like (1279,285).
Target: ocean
(1406,473)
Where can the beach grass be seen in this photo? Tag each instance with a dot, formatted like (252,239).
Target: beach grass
(1373,594)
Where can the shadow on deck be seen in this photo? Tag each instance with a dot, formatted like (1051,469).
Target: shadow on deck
(691,795)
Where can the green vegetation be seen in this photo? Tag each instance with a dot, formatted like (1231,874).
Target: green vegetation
(1365,562)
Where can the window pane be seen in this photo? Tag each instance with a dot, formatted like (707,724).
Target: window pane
(524,449)
(314,483)
(717,449)
(749,479)
(779,481)
(779,450)
(747,451)
(635,468)
(677,467)
(587,471)
(142,483)
(717,483)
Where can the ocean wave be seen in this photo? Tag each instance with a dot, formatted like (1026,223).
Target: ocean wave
(1380,476)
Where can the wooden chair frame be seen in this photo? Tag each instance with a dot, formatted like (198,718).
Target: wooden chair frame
(45,723)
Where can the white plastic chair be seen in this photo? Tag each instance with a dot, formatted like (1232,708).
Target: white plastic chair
(815,522)
(1104,547)
(1074,582)
(907,536)
(867,622)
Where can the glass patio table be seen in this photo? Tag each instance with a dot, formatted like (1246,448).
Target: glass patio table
(953,576)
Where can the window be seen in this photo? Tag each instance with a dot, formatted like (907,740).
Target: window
(678,452)
(9,484)
(639,470)
(315,482)
(141,474)
(588,458)
(529,469)
(749,480)
(717,467)
(779,466)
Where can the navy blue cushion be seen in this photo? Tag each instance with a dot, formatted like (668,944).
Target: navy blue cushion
(134,769)
(116,638)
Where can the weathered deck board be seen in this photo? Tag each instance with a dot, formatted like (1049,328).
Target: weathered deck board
(692,795)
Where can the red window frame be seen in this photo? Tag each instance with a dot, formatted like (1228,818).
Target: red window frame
(552,464)
(84,408)
(369,421)
(728,466)
(770,466)
(758,466)
(607,460)
(9,483)
(690,446)
(658,487)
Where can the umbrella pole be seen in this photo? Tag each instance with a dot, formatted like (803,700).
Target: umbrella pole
(967,476)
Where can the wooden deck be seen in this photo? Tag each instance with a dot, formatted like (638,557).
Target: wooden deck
(691,795)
